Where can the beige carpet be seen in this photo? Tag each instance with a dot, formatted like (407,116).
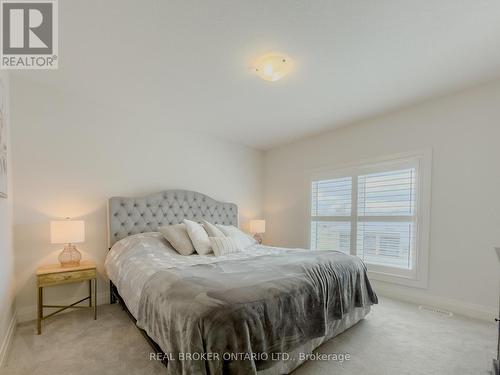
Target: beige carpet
(396,338)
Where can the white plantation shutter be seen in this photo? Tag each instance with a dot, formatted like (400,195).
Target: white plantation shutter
(331,235)
(385,243)
(370,212)
(332,197)
(385,222)
(331,212)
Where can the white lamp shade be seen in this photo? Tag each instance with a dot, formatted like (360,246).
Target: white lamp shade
(67,231)
(257,226)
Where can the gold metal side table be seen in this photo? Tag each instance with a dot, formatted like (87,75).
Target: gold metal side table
(56,275)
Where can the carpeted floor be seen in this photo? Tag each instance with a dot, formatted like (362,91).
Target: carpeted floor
(396,338)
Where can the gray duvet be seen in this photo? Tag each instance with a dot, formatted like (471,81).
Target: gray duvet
(267,304)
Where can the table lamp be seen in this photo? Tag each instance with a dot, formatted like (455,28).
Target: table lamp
(68,232)
(258,227)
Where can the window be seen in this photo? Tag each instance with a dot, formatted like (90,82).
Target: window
(376,212)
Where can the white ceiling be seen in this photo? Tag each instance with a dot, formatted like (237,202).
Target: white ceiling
(187,62)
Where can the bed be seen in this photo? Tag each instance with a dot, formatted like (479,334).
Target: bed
(259,311)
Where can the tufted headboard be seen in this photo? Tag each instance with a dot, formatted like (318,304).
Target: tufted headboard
(127,216)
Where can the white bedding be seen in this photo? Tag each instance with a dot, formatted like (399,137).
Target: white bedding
(132,260)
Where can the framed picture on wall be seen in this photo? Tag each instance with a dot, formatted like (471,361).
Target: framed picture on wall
(3,144)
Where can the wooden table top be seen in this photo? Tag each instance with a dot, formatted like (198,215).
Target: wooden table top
(55,268)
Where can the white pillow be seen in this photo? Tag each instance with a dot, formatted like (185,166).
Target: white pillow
(198,237)
(223,245)
(178,237)
(242,239)
(212,230)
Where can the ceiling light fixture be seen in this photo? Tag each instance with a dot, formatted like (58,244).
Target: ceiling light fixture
(272,67)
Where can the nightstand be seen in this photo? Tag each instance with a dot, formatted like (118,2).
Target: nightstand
(56,275)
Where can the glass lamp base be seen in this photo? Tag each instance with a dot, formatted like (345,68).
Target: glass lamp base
(70,256)
(258,238)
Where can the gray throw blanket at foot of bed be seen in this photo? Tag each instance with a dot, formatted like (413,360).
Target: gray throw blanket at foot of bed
(207,317)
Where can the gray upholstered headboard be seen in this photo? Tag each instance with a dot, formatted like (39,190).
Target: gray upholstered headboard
(127,216)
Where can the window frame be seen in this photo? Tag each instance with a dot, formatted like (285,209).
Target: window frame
(421,160)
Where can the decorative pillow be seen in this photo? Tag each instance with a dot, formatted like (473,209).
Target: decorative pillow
(223,245)
(242,239)
(212,230)
(178,237)
(198,237)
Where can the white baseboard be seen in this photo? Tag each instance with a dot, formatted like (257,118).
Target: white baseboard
(4,348)
(28,313)
(419,297)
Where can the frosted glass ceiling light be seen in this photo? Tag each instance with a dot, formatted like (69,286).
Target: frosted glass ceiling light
(272,67)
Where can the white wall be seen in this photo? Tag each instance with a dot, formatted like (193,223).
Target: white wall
(463,131)
(72,153)
(7,308)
